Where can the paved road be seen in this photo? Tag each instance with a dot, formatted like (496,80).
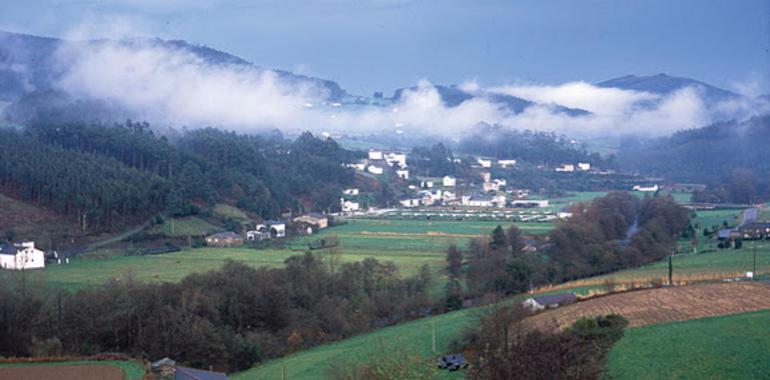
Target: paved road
(749,215)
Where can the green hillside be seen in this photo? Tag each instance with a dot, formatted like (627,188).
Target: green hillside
(728,347)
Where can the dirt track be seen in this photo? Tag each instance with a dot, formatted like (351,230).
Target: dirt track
(62,372)
(651,306)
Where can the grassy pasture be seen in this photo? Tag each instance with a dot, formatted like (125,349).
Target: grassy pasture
(728,347)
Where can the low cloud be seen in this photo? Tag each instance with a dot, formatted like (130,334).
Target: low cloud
(174,86)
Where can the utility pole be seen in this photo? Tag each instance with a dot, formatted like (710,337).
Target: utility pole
(754,269)
(671,270)
(433,324)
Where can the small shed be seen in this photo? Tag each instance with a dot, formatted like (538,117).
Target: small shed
(549,301)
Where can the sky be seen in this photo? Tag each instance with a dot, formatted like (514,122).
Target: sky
(381,45)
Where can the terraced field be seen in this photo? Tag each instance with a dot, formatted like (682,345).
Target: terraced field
(661,305)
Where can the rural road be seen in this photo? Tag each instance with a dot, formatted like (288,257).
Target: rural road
(749,215)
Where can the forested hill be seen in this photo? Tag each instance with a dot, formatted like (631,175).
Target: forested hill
(107,176)
(530,146)
(30,63)
(706,155)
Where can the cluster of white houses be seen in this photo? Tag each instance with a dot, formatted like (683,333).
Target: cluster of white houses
(580,166)
(305,224)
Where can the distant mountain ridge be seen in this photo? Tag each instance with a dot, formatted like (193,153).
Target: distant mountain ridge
(663,84)
(29,63)
(453,96)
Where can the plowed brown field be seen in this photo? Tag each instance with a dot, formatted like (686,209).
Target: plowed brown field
(651,306)
(62,372)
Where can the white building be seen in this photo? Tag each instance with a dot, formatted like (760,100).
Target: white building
(426,184)
(566,168)
(584,166)
(484,163)
(396,159)
(402,173)
(494,185)
(375,155)
(352,191)
(21,256)
(357,166)
(650,189)
(448,181)
(486,176)
(414,202)
(482,201)
(506,163)
(349,206)
(269,229)
(374,169)
(564,214)
(549,301)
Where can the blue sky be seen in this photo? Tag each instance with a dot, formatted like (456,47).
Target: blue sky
(369,45)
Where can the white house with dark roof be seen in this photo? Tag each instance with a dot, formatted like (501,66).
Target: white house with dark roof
(21,256)
(549,301)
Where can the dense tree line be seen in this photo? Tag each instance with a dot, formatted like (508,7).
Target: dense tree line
(98,191)
(434,161)
(502,347)
(230,318)
(709,155)
(608,234)
(126,172)
(530,146)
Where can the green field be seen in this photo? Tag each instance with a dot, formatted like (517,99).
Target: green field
(186,226)
(728,347)
(132,370)
(415,336)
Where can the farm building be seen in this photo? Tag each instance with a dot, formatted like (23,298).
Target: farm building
(349,206)
(482,201)
(564,213)
(494,185)
(484,163)
(357,166)
(224,239)
(167,369)
(396,159)
(21,256)
(374,169)
(269,229)
(486,176)
(375,155)
(352,191)
(448,181)
(566,168)
(402,173)
(549,301)
(584,166)
(320,221)
(426,184)
(649,189)
(413,202)
(506,163)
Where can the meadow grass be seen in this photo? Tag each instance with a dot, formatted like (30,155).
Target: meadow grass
(186,226)
(728,347)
